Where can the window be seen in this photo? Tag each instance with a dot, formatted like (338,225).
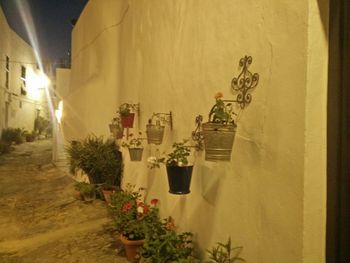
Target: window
(7,72)
(23,78)
(7,63)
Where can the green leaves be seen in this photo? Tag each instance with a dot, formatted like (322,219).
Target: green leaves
(179,154)
(225,253)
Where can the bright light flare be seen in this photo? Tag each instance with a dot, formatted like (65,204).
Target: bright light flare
(58,112)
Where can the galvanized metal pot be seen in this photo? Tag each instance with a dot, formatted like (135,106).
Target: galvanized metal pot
(116,130)
(179,179)
(155,134)
(135,154)
(218,141)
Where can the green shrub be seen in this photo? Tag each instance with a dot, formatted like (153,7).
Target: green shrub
(5,147)
(11,135)
(41,124)
(100,160)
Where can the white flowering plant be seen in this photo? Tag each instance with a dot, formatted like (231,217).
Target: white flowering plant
(178,157)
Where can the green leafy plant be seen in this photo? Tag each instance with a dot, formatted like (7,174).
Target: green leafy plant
(178,157)
(134,142)
(41,124)
(221,112)
(126,108)
(84,188)
(12,135)
(165,245)
(225,253)
(5,147)
(100,160)
(133,218)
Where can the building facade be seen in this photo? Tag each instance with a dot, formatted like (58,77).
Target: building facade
(22,84)
(174,56)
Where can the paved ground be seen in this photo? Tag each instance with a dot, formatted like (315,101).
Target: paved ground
(41,221)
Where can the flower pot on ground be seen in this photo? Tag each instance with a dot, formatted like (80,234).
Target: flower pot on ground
(134,146)
(107,192)
(219,132)
(87,191)
(155,133)
(131,248)
(179,179)
(178,168)
(134,219)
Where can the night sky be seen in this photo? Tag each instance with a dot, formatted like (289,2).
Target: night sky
(52,19)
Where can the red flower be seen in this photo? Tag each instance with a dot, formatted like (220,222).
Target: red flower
(154,202)
(218,95)
(126,207)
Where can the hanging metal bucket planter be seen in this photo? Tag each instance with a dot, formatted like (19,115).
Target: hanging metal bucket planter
(116,130)
(218,141)
(135,154)
(155,134)
(127,121)
(179,179)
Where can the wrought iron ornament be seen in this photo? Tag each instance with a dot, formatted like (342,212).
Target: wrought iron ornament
(245,82)
(197,134)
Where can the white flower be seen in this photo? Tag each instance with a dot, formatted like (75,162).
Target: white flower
(152,160)
(140,209)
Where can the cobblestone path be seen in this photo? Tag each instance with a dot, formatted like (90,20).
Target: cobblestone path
(41,221)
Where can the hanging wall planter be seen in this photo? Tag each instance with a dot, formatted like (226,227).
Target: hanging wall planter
(219,132)
(134,145)
(218,141)
(117,130)
(127,115)
(179,179)
(135,154)
(155,132)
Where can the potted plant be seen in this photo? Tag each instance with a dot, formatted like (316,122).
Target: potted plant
(165,245)
(116,128)
(179,170)
(225,253)
(100,160)
(126,114)
(87,191)
(155,132)
(219,132)
(107,190)
(134,219)
(134,146)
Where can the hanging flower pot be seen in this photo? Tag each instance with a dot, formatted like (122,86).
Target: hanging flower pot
(116,130)
(179,179)
(131,247)
(155,133)
(127,121)
(218,141)
(135,154)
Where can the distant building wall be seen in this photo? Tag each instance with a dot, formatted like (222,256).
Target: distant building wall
(22,93)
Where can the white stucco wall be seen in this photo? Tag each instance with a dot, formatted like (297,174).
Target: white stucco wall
(22,108)
(175,55)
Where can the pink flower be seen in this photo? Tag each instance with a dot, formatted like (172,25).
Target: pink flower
(218,95)
(154,202)
(126,207)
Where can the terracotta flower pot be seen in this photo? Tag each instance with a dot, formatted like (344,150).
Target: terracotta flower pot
(218,141)
(107,195)
(179,179)
(131,247)
(128,120)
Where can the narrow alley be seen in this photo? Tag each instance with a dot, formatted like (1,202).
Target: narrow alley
(41,221)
